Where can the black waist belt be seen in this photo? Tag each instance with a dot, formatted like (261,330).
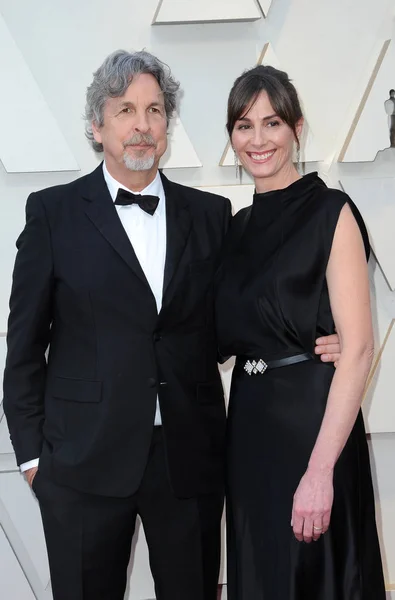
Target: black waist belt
(257,366)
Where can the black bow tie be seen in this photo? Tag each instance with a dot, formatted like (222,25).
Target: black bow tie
(147,203)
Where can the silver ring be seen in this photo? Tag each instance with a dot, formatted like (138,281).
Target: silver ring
(317,528)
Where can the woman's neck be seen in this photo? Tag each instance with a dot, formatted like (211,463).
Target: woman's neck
(279,181)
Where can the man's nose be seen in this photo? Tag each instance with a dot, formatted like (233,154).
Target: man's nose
(141,123)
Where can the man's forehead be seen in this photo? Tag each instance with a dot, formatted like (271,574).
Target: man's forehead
(142,94)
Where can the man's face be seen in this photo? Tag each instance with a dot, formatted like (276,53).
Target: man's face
(135,127)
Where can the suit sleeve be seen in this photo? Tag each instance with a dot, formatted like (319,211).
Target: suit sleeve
(28,333)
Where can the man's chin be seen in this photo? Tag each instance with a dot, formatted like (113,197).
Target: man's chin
(138,164)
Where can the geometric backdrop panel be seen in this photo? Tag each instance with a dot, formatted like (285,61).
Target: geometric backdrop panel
(30,138)
(13,583)
(370,130)
(378,400)
(378,405)
(191,11)
(180,151)
(375,198)
(25,530)
(5,443)
(265,5)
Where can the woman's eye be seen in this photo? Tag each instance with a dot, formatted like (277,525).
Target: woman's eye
(243,127)
(273,123)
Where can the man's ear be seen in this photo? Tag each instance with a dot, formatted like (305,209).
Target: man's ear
(96,132)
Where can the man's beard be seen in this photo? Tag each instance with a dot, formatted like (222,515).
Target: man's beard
(143,163)
(138,164)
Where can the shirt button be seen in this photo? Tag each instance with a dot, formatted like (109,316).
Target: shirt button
(157,337)
(151,382)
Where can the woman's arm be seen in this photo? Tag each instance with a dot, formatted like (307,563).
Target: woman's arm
(348,285)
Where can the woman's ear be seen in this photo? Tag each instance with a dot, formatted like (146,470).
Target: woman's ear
(299,127)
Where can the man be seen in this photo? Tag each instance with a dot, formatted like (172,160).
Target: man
(127,414)
(389,106)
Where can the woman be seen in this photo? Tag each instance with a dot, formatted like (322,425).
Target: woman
(298,467)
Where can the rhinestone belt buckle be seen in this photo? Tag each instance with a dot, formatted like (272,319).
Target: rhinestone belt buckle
(253,367)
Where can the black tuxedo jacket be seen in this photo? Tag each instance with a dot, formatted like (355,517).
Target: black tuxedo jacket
(88,409)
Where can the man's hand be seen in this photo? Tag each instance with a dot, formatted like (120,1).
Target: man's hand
(30,475)
(329,348)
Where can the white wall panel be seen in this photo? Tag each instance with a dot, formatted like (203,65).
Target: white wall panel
(3,349)
(13,584)
(380,394)
(22,509)
(5,444)
(30,137)
(378,404)
(12,215)
(375,199)
(180,152)
(140,582)
(191,11)
(370,129)
(382,452)
(265,6)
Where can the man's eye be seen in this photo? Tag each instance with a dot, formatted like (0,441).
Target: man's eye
(153,109)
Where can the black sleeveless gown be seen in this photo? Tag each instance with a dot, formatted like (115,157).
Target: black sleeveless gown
(272,302)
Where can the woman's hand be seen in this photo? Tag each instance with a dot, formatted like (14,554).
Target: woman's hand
(312,506)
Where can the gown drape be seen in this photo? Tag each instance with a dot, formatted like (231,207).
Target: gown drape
(272,301)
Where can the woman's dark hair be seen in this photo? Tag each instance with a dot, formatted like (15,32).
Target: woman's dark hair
(281,92)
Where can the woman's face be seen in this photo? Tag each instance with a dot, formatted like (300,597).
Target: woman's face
(264,144)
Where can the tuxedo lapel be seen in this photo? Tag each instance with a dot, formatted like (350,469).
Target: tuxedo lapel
(178,226)
(100,209)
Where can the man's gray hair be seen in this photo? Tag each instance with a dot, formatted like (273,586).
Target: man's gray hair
(112,79)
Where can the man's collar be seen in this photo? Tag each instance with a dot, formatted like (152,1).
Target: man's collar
(155,188)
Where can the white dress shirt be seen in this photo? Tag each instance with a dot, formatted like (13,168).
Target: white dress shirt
(147,234)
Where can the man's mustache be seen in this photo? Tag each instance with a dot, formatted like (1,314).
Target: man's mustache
(139,138)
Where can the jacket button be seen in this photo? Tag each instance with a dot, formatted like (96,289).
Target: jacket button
(157,337)
(151,382)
